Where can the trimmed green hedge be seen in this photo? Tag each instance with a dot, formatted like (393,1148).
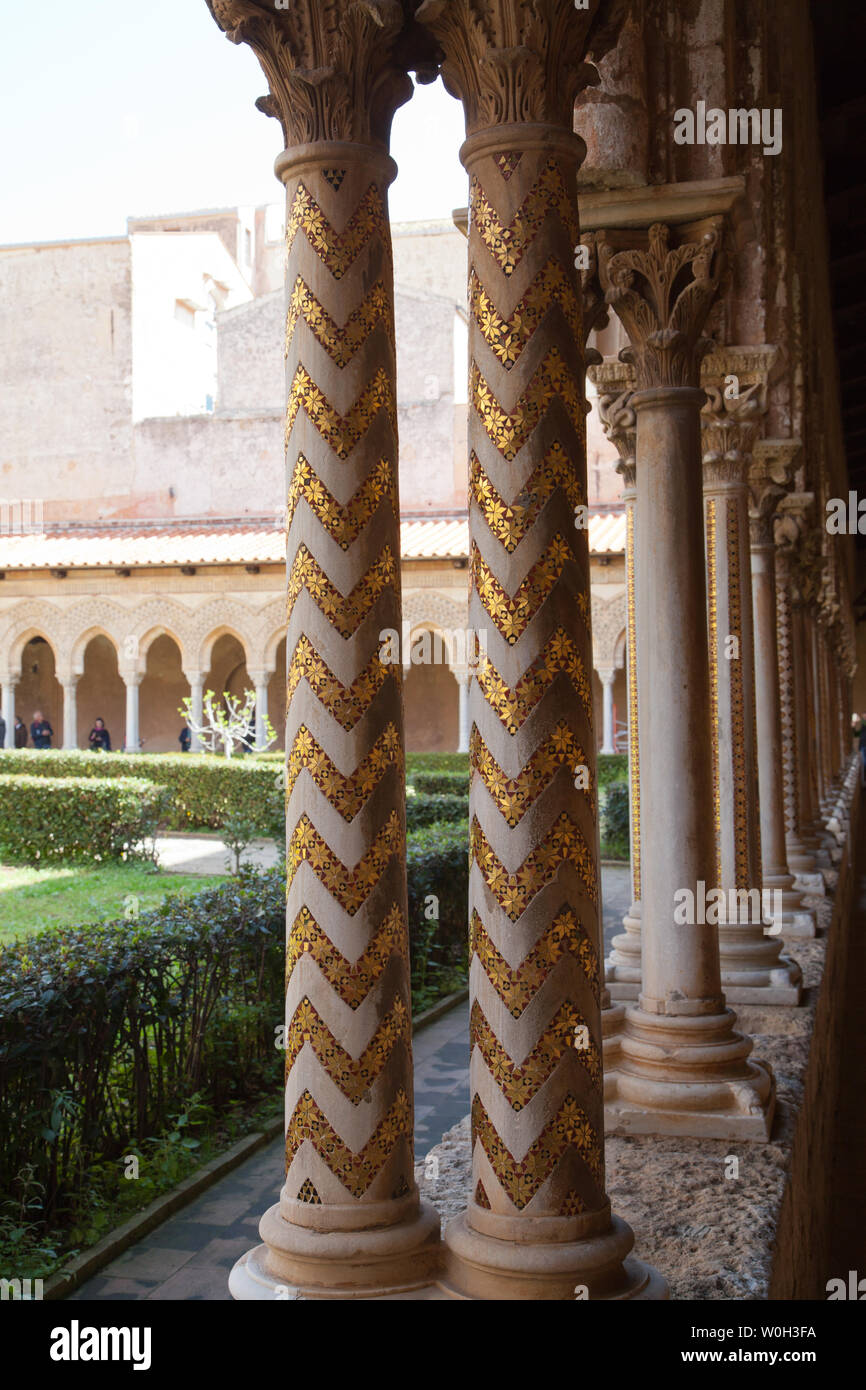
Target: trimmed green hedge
(615,822)
(436,762)
(424,810)
(67,818)
(440,783)
(437,865)
(205,790)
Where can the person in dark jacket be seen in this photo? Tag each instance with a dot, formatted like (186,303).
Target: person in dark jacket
(100,739)
(20,732)
(2,732)
(184,739)
(41,731)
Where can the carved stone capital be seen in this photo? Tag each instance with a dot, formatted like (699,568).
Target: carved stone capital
(595,308)
(614,384)
(735,381)
(771,473)
(662,284)
(510,61)
(330,64)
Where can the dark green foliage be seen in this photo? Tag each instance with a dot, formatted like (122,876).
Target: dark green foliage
(440,783)
(43,820)
(424,810)
(615,822)
(612,767)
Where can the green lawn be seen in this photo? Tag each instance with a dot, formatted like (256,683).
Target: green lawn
(69,895)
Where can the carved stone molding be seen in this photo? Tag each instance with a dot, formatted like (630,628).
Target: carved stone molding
(614,384)
(642,274)
(330,64)
(513,61)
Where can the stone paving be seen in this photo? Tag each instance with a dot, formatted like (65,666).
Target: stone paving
(189,1256)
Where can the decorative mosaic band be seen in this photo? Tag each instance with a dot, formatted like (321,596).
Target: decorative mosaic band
(510,523)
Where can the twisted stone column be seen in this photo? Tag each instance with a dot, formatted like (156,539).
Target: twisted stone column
(614,382)
(683,1068)
(348,1222)
(538,1223)
(769,477)
(753,968)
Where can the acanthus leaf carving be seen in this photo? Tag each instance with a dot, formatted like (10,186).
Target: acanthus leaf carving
(662,284)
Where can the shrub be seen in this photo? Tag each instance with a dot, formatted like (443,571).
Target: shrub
(424,810)
(106,1031)
(437,762)
(67,818)
(612,768)
(615,822)
(437,864)
(442,783)
(205,790)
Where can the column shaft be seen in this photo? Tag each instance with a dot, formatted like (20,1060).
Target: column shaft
(607,743)
(132,741)
(70,713)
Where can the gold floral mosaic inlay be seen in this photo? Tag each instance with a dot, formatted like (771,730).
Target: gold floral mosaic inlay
(514,704)
(564,844)
(507,337)
(713,632)
(509,431)
(510,523)
(521,1179)
(514,795)
(517,987)
(508,242)
(352,980)
(513,615)
(633,742)
(350,887)
(347,794)
(519,1082)
(343,523)
(354,1076)
(347,703)
(341,432)
(338,250)
(344,613)
(355,1171)
(341,344)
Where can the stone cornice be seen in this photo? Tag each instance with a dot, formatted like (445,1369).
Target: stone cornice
(330,65)
(643,277)
(672,203)
(512,62)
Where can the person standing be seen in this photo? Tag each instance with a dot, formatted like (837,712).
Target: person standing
(41,731)
(20,732)
(100,739)
(2,732)
(184,739)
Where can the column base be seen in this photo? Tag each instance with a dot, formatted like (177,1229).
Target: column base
(622,969)
(479,1266)
(794,919)
(688,1074)
(612,1024)
(780,985)
(298,1262)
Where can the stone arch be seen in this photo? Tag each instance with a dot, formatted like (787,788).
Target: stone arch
(208,623)
(27,621)
(209,642)
(80,644)
(608,623)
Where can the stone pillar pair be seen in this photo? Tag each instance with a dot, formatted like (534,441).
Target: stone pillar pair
(349,1222)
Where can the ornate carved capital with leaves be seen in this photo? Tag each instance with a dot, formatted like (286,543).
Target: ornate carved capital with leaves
(662,284)
(513,61)
(735,381)
(330,64)
(614,384)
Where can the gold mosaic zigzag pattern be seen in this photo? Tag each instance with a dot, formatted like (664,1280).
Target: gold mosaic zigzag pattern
(514,795)
(513,615)
(347,703)
(350,887)
(564,844)
(344,613)
(338,250)
(519,1082)
(521,1179)
(353,1075)
(346,794)
(355,1171)
(507,337)
(352,980)
(341,432)
(553,380)
(343,523)
(518,987)
(514,704)
(341,344)
(508,242)
(510,523)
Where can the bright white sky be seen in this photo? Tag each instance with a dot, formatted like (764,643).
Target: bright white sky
(116,107)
